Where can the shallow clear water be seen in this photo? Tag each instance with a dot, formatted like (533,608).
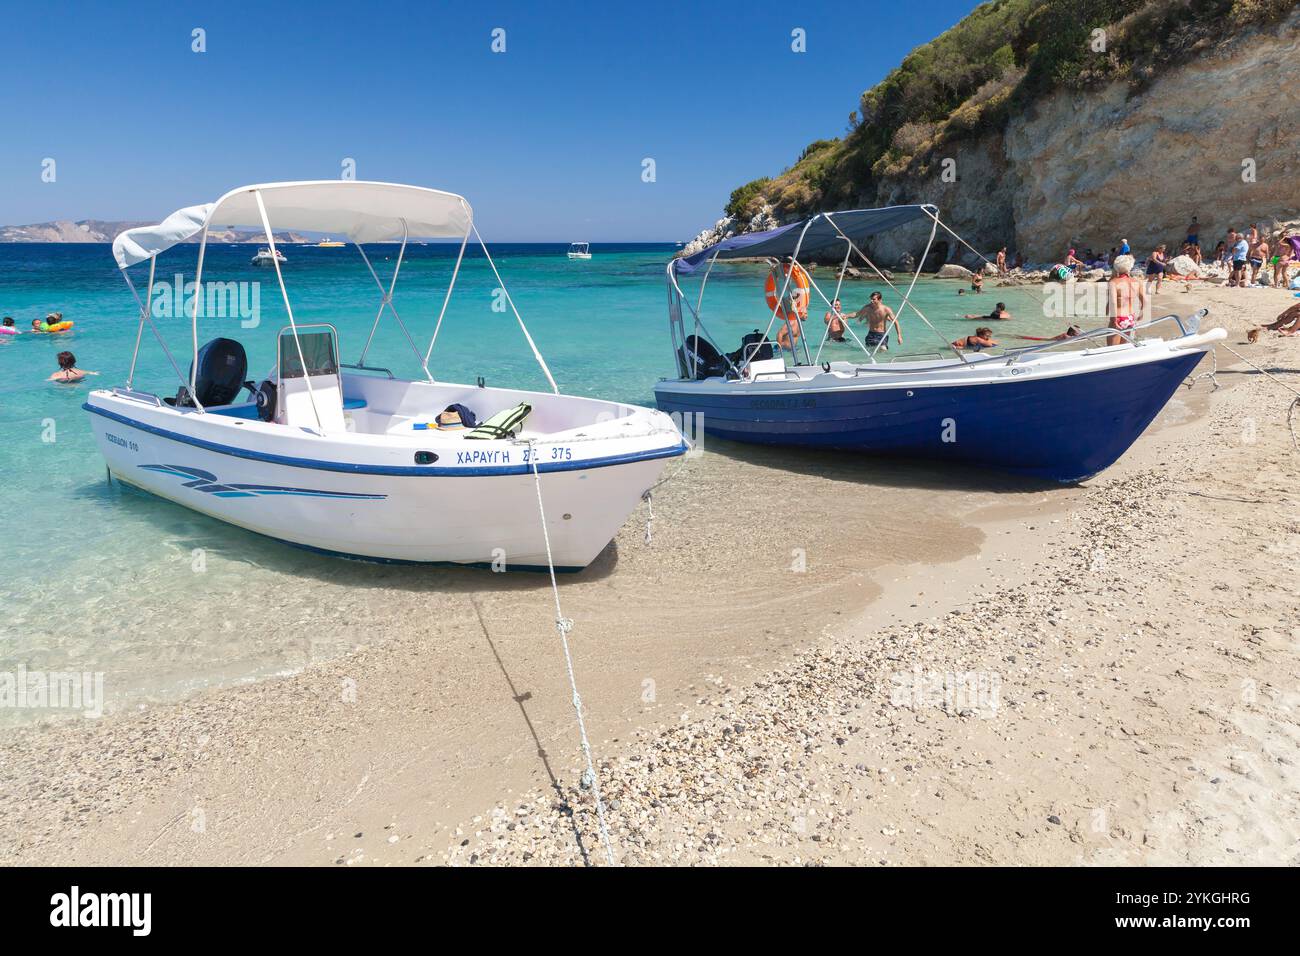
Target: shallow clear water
(96,578)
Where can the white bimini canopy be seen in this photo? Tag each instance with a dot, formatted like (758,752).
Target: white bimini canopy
(363,211)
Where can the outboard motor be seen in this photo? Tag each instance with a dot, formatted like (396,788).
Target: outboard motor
(222,365)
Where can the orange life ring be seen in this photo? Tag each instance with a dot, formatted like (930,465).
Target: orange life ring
(799,286)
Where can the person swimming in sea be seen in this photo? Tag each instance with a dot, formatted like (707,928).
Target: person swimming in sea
(792,326)
(1069,333)
(999,313)
(68,372)
(834,320)
(879,317)
(982,339)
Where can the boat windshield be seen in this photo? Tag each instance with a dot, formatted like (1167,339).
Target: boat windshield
(317,350)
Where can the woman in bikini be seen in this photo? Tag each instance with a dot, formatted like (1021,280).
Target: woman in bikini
(1282,263)
(1126,299)
(999,313)
(68,372)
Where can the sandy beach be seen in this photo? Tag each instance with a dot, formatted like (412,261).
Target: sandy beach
(817,659)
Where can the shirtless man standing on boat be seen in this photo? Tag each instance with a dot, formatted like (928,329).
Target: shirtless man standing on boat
(1126,299)
(878,317)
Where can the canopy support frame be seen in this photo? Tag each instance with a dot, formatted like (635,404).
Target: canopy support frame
(446,299)
(386,300)
(284,292)
(146,316)
(511,302)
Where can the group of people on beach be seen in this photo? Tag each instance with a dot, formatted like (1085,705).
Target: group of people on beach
(1251,251)
(53,324)
(1244,256)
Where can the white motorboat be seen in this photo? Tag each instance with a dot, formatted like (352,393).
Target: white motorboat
(265,257)
(350,460)
(579,250)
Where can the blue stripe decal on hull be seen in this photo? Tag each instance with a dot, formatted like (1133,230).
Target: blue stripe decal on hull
(206,482)
(430,471)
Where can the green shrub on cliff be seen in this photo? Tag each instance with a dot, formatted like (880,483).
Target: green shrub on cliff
(999,59)
(745,199)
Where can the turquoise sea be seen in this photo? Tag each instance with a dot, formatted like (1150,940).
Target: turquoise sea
(97,578)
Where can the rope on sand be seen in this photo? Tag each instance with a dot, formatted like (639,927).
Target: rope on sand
(649,499)
(1295,403)
(1212,374)
(564,625)
(648,495)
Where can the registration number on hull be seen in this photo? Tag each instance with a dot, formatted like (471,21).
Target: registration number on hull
(506,456)
(121,442)
(769,403)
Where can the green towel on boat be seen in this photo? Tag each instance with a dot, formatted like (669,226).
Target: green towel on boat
(503,424)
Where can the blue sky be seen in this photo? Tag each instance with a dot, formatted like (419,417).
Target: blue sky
(546,139)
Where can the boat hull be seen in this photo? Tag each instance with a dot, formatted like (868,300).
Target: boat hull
(1063,428)
(475,519)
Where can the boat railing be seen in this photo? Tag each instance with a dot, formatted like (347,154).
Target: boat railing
(1188,326)
(1184,328)
(368,368)
(912,357)
(130,394)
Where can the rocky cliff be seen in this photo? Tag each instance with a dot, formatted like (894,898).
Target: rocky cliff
(100,230)
(1213,132)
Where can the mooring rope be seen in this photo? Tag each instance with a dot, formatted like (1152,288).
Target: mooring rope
(649,499)
(564,625)
(1212,374)
(1295,403)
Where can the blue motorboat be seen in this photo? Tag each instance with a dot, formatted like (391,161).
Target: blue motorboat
(1062,410)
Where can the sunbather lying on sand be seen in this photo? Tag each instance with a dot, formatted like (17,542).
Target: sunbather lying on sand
(1288,323)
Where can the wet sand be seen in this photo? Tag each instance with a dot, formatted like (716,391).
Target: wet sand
(456,702)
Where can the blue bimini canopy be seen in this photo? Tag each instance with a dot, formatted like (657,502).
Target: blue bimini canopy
(825,231)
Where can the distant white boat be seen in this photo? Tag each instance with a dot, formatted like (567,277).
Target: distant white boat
(580,250)
(265,257)
(329,243)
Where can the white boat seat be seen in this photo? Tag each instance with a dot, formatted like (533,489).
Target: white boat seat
(294,403)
